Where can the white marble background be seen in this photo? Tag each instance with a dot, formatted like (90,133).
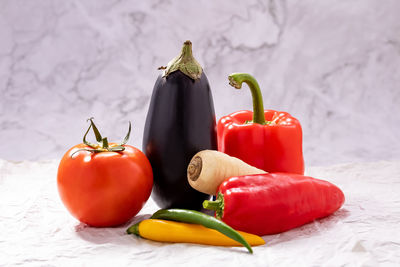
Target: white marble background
(335,65)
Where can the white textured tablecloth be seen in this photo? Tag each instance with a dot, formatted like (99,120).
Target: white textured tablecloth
(36,229)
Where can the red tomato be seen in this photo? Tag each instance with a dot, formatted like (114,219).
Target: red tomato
(106,188)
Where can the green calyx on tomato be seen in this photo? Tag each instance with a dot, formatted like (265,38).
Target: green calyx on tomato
(102,142)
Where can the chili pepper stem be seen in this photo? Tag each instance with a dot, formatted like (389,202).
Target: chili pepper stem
(236,80)
(216,205)
(134,229)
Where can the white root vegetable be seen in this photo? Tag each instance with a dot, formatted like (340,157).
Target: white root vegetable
(209,168)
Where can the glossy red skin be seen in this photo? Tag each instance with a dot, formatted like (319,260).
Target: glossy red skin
(271,147)
(104,189)
(272,203)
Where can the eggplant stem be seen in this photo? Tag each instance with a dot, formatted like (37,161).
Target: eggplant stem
(185,62)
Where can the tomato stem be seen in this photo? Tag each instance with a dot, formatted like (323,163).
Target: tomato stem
(95,130)
(84,138)
(102,142)
(127,135)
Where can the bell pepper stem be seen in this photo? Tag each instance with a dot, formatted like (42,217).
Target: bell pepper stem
(216,205)
(236,80)
(211,205)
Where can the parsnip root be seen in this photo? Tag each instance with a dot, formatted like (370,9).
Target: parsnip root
(209,168)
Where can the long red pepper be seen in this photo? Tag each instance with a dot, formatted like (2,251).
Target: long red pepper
(272,203)
(267,139)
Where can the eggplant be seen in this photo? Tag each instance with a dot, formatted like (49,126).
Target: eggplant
(180,122)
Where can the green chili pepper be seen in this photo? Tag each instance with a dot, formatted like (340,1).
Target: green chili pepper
(191,216)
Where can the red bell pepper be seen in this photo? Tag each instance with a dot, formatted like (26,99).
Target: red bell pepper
(267,139)
(272,203)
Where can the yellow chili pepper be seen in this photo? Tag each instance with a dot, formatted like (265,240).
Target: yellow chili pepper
(178,232)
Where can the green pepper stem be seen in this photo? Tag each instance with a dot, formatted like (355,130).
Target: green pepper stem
(236,80)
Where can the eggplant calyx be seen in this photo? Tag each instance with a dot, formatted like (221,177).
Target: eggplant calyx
(185,63)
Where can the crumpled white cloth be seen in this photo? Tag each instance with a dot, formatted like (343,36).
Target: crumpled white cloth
(36,229)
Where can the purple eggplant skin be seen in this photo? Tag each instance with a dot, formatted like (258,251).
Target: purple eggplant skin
(180,122)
